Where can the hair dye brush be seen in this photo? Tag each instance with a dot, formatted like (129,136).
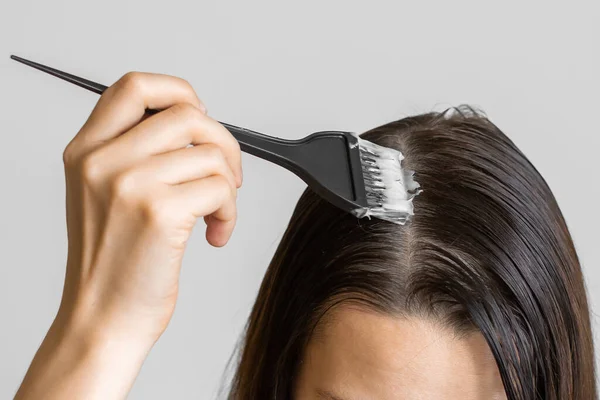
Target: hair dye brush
(355,175)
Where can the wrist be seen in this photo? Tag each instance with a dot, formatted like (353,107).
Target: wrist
(103,331)
(83,361)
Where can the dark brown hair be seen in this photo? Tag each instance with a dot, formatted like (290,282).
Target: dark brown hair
(487,249)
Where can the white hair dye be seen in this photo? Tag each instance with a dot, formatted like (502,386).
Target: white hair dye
(389,187)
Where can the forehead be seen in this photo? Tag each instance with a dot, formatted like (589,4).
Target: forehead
(358,355)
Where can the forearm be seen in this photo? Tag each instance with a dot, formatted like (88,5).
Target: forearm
(78,363)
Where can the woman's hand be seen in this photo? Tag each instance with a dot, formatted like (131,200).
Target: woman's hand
(134,192)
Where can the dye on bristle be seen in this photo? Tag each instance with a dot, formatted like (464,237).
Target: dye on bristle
(389,188)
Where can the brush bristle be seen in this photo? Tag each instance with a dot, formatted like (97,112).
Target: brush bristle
(389,187)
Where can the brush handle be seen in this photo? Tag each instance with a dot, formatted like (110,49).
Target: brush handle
(267,147)
(277,150)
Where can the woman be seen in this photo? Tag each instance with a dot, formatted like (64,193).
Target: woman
(479,296)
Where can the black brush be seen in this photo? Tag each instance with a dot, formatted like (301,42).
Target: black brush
(355,175)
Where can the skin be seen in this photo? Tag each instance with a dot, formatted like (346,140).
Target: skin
(361,355)
(134,192)
(135,189)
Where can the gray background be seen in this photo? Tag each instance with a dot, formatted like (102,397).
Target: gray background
(287,70)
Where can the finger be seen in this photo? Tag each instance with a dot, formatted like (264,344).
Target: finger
(123,104)
(188,164)
(210,197)
(219,232)
(175,128)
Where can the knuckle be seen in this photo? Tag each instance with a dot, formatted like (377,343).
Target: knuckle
(226,190)
(187,84)
(156,211)
(233,211)
(131,82)
(235,145)
(230,210)
(92,167)
(124,185)
(69,154)
(190,90)
(214,153)
(217,159)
